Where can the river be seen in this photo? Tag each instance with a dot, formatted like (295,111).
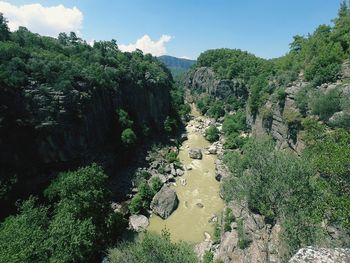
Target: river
(189,221)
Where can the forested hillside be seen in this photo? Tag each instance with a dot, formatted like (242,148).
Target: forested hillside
(293,169)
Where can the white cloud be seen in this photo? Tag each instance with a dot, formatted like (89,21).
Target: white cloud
(147,45)
(49,21)
(185,57)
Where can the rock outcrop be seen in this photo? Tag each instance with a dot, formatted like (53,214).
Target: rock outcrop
(321,255)
(195,153)
(204,80)
(164,202)
(138,223)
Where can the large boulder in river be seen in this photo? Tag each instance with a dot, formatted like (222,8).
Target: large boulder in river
(195,153)
(164,202)
(138,222)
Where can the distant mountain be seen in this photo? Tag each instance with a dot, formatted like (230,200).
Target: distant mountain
(176,65)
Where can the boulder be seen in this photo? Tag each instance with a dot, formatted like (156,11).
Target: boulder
(179,172)
(213,149)
(138,222)
(164,202)
(195,153)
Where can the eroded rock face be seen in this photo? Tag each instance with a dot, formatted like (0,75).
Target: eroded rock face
(203,79)
(321,255)
(138,223)
(164,202)
(195,153)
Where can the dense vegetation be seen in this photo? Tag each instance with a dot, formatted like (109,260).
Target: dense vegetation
(76,224)
(153,248)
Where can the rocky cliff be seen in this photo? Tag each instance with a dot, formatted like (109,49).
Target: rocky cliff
(44,130)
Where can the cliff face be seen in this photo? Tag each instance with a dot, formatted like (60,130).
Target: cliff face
(204,80)
(43,131)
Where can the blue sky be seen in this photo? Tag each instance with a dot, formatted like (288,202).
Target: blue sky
(262,27)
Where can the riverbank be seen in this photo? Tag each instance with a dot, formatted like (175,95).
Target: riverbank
(200,205)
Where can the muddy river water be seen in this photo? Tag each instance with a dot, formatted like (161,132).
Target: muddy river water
(199,199)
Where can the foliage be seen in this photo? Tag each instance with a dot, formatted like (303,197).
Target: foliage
(23,237)
(217,233)
(291,116)
(172,157)
(242,239)
(216,110)
(156,184)
(142,200)
(228,219)
(153,248)
(208,257)
(326,104)
(235,141)
(75,228)
(4,30)
(212,134)
(128,137)
(278,185)
(234,123)
(170,124)
(124,119)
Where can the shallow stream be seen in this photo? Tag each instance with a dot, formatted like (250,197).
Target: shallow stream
(190,221)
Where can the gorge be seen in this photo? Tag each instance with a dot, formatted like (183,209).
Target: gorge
(114,157)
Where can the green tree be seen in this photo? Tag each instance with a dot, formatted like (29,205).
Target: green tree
(212,134)
(4,30)
(23,236)
(124,119)
(128,137)
(153,248)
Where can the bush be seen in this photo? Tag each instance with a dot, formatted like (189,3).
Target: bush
(217,233)
(141,177)
(170,124)
(216,110)
(208,257)
(326,104)
(302,99)
(281,96)
(228,219)
(234,123)
(156,184)
(171,157)
(212,134)
(136,204)
(153,248)
(128,137)
(242,239)
(124,119)
(235,141)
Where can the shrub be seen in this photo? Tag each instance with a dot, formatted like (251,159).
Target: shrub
(141,176)
(302,99)
(212,134)
(208,257)
(136,204)
(291,117)
(172,157)
(234,123)
(216,110)
(228,219)
(326,104)
(235,141)
(128,137)
(170,124)
(217,233)
(242,239)
(156,184)
(124,119)
(153,248)
(281,96)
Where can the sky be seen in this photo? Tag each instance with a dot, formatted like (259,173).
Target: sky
(181,28)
